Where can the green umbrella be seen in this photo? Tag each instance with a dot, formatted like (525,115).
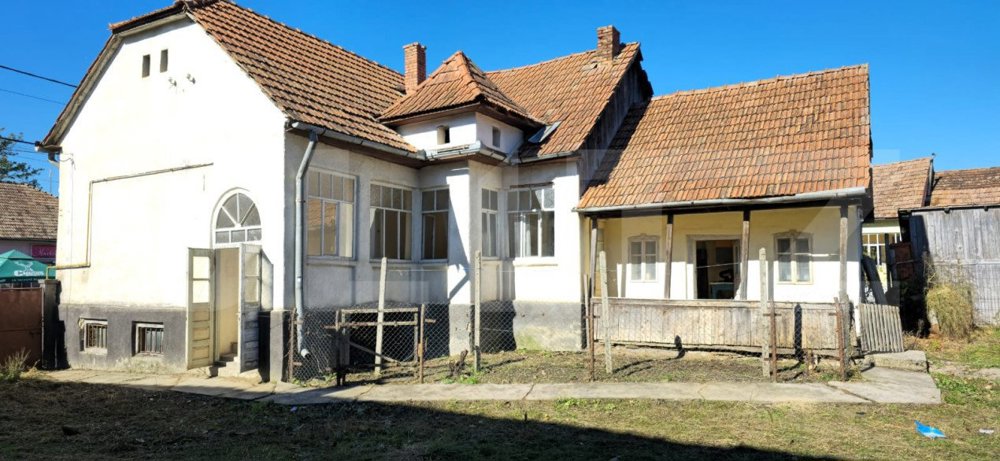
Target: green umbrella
(15,265)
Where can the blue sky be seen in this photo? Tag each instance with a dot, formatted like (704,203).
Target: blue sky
(935,66)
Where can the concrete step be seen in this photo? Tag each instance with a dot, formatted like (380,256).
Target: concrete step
(908,360)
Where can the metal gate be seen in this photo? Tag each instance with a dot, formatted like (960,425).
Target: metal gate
(21,314)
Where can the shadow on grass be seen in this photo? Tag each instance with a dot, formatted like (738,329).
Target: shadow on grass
(57,420)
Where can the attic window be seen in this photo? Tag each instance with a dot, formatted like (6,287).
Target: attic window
(145,65)
(163,61)
(444,135)
(543,133)
(496,137)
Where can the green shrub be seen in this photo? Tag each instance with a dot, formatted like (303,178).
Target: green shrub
(951,304)
(13,365)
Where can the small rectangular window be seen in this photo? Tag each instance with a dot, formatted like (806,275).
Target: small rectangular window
(642,259)
(531,222)
(163,61)
(496,137)
(145,65)
(94,335)
(794,259)
(444,134)
(435,224)
(489,231)
(148,339)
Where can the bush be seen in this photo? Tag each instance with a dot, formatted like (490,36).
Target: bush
(951,304)
(13,365)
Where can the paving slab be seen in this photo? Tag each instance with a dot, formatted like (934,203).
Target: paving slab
(885,385)
(252,393)
(155,382)
(308,396)
(661,391)
(912,360)
(800,393)
(72,375)
(445,392)
(215,387)
(112,378)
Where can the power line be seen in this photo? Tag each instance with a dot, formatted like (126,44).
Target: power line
(17,140)
(23,72)
(33,97)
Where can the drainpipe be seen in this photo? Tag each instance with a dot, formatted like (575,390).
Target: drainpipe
(300,179)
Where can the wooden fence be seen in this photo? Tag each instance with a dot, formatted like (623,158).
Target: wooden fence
(724,324)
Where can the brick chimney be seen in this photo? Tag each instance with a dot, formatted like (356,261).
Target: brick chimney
(608,42)
(416,65)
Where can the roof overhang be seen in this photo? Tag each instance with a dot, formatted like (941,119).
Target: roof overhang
(476,106)
(379,150)
(809,198)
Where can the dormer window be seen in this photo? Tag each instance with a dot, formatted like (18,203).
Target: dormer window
(496,137)
(444,134)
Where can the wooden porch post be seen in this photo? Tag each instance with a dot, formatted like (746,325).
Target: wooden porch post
(668,245)
(843,253)
(590,293)
(744,255)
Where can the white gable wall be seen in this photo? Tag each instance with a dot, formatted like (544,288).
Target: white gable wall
(142,227)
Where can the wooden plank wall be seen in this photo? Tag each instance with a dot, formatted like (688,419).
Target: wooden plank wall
(717,323)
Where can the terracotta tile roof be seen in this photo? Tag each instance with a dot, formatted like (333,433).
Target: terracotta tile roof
(900,186)
(572,89)
(27,213)
(778,137)
(457,83)
(966,187)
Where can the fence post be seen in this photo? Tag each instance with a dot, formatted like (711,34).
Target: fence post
(602,271)
(764,295)
(476,362)
(590,295)
(379,333)
(839,325)
(422,343)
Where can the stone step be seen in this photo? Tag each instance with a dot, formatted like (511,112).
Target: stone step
(908,360)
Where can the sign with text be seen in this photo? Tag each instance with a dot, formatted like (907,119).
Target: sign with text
(43,251)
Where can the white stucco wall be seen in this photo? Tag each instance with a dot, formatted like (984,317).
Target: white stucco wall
(821,223)
(466,128)
(142,227)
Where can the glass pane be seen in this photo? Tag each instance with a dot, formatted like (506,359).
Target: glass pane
(392,234)
(397,199)
(231,206)
(548,234)
(651,248)
(376,195)
(802,246)
(493,234)
(441,235)
(312,183)
(222,237)
(635,267)
(253,235)
(494,200)
(223,221)
(252,218)
(428,235)
(201,267)
(377,233)
(201,291)
(442,199)
(784,245)
(314,227)
(802,268)
(338,188)
(531,233)
(513,235)
(548,200)
(243,204)
(536,199)
(524,199)
(650,267)
(635,249)
(238,236)
(326,185)
(346,231)
(485,201)
(406,238)
(349,190)
(427,200)
(784,268)
(407,200)
(330,228)
(512,201)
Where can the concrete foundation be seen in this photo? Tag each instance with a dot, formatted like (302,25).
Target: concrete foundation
(551,326)
(121,337)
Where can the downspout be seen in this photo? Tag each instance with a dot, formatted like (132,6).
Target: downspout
(300,178)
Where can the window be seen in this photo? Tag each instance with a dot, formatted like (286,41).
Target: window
(148,339)
(390,222)
(145,65)
(94,335)
(490,209)
(444,135)
(238,221)
(794,258)
(531,221)
(875,245)
(642,258)
(329,215)
(496,137)
(163,61)
(435,219)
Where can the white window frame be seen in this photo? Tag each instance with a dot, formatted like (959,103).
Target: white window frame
(315,193)
(878,243)
(645,241)
(490,205)
(238,226)
(434,210)
(137,328)
(85,337)
(794,255)
(405,232)
(517,220)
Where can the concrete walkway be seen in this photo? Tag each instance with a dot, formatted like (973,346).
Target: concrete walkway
(880,385)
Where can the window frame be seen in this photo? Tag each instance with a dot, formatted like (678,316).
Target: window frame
(437,210)
(85,336)
(139,327)
(486,201)
(496,136)
(164,60)
(338,203)
(793,237)
(147,65)
(443,135)
(880,246)
(237,226)
(519,224)
(644,240)
(405,238)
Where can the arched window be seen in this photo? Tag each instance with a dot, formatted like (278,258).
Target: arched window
(238,221)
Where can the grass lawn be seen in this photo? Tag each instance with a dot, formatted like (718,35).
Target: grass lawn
(982,350)
(45,419)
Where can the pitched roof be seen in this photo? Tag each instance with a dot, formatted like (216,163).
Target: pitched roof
(457,83)
(27,213)
(778,137)
(979,186)
(572,90)
(309,79)
(900,186)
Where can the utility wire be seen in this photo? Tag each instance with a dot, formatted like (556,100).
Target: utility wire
(33,97)
(23,72)
(17,140)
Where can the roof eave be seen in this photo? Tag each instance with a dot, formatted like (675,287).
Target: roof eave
(837,194)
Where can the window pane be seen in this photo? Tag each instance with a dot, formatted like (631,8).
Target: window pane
(514,235)
(635,266)
(349,190)
(405,232)
(548,198)
(536,199)
(407,200)
(345,231)
(441,200)
(392,234)
(650,267)
(427,199)
(238,236)
(231,206)
(802,246)
(491,234)
(222,237)
(253,235)
(784,245)
(512,201)
(330,228)
(494,200)
(337,192)
(802,268)
(548,234)
(312,183)
(635,249)
(524,199)
(377,233)
(314,227)
(326,185)
(485,201)
(376,195)
(252,218)
(397,199)
(531,233)
(784,268)
(223,221)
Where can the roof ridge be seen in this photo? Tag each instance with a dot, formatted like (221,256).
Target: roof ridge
(967,170)
(751,83)
(918,159)
(551,60)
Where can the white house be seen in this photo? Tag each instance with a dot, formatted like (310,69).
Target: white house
(205,136)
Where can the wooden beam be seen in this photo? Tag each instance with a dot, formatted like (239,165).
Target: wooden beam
(379,330)
(602,273)
(589,298)
(744,254)
(668,256)
(764,295)
(843,253)
(479,308)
